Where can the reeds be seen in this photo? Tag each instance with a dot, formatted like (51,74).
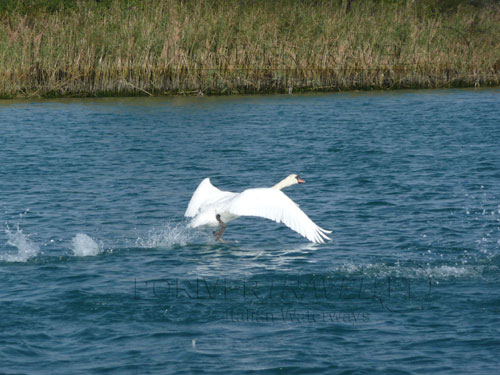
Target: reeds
(155,47)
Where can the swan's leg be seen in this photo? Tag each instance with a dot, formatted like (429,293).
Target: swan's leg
(219,232)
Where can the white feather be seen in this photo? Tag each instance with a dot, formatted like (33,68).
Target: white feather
(269,203)
(204,194)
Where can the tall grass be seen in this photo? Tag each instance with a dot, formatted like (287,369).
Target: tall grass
(156,47)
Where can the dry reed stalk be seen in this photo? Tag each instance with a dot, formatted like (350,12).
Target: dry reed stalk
(162,47)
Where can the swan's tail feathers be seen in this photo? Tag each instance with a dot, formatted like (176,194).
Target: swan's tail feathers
(202,219)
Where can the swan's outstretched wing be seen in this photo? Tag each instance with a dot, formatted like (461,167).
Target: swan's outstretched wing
(205,193)
(273,204)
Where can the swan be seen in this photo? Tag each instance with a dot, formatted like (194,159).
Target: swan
(212,207)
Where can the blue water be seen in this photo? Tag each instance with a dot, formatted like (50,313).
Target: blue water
(100,275)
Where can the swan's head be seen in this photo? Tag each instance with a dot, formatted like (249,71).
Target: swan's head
(289,181)
(296,179)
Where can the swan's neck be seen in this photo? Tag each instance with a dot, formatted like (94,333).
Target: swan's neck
(283,184)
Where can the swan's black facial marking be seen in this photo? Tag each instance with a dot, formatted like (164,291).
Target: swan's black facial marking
(299,180)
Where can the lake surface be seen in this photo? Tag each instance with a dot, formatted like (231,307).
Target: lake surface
(99,273)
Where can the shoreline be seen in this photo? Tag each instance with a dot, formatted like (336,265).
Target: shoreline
(200,93)
(202,98)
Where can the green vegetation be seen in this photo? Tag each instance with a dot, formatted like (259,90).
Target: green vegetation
(155,47)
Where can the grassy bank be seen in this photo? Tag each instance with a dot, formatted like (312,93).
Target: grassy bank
(151,47)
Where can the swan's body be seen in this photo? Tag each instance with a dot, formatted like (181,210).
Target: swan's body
(210,206)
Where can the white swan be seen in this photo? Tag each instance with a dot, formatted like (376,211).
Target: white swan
(210,206)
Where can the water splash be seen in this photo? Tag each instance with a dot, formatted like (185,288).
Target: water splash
(83,245)
(26,248)
(168,236)
(412,270)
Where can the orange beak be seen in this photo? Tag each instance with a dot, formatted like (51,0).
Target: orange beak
(300,181)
